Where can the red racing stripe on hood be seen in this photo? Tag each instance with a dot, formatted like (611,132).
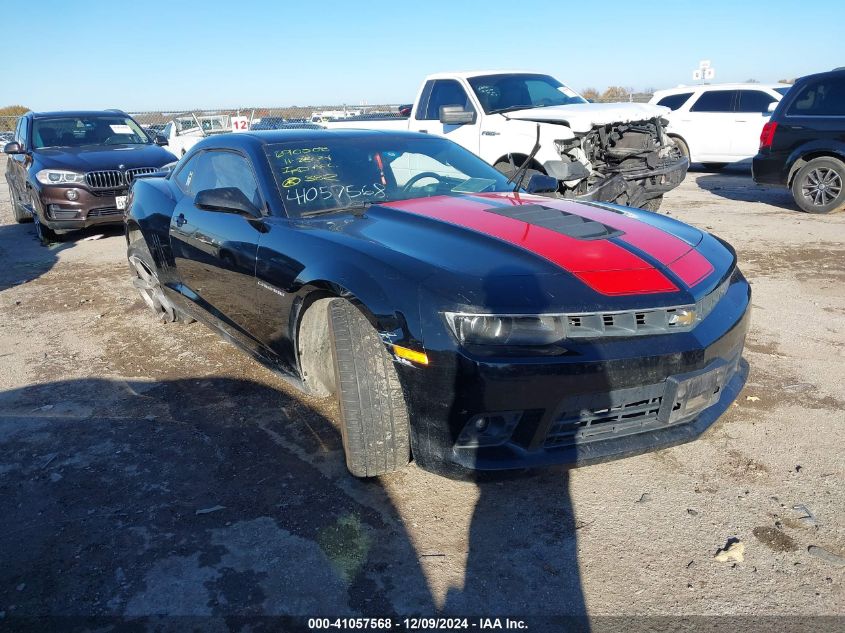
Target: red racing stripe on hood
(680,257)
(604,266)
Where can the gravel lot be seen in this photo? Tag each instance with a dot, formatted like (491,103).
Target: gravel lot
(151,469)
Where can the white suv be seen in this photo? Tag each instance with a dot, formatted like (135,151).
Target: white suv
(721,123)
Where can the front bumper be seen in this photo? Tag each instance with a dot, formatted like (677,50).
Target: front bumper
(599,401)
(89,209)
(634,187)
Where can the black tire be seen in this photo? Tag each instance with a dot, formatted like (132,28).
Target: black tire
(714,166)
(682,146)
(45,234)
(653,204)
(20,214)
(374,419)
(819,186)
(505,168)
(148,286)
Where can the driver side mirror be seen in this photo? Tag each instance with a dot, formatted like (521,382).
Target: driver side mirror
(160,140)
(456,115)
(771,107)
(13,148)
(227,200)
(541,183)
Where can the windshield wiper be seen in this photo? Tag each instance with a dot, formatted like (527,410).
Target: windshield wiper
(519,175)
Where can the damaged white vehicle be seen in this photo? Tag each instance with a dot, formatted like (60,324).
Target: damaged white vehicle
(613,152)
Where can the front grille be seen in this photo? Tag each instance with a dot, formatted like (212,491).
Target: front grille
(109,179)
(106,211)
(138,171)
(591,417)
(114,179)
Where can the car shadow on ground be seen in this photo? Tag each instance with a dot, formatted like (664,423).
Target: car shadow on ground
(24,258)
(218,497)
(736,183)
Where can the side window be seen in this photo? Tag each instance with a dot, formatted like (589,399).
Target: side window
(185,178)
(825,97)
(673,102)
(24,138)
(229,169)
(753,101)
(446,92)
(714,101)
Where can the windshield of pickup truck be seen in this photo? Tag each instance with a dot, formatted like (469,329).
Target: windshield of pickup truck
(76,131)
(503,93)
(326,175)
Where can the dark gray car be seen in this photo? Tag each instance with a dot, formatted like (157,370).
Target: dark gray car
(71,170)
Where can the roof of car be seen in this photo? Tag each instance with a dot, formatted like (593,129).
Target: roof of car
(466,74)
(307,134)
(80,113)
(724,86)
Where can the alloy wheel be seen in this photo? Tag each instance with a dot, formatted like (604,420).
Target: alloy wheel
(821,186)
(147,284)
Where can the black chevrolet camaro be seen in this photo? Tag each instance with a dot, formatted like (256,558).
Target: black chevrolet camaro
(458,322)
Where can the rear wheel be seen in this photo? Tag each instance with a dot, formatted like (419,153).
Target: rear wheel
(20,214)
(819,186)
(374,419)
(148,286)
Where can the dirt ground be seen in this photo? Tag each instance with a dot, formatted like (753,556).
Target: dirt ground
(151,469)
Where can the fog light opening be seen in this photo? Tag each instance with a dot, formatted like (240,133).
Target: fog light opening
(72,195)
(489,429)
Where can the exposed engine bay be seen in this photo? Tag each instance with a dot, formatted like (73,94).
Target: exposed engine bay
(627,163)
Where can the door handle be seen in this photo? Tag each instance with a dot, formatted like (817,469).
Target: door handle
(180,220)
(423,131)
(741,120)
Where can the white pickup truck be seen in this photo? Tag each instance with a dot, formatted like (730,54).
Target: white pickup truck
(184,132)
(615,152)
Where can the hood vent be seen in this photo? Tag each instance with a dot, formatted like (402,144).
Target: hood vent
(558,221)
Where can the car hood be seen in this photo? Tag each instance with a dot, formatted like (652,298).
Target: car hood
(582,117)
(99,157)
(588,254)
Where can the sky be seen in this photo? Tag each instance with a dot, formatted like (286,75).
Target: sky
(192,54)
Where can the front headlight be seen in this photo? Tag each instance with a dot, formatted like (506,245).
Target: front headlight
(497,329)
(59,177)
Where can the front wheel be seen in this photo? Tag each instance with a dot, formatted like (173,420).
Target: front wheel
(374,418)
(147,284)
(45,234)
(818,185)
(653,204)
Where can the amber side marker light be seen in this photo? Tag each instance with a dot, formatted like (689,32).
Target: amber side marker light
(411,355)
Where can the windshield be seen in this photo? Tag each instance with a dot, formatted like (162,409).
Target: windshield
(76,131)
(499,93)
(331,174)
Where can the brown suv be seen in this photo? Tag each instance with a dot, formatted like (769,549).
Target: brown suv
(70,170)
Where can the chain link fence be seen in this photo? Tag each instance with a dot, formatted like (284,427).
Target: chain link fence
(264,118)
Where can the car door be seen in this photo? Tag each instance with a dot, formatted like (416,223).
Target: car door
(446,92)
(215,251)
(709,123)
(752,112)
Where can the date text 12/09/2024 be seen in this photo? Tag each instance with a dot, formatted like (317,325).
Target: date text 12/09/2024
(417,624)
